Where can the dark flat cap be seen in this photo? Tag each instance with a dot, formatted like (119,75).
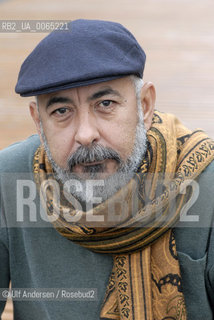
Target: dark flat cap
(89,52)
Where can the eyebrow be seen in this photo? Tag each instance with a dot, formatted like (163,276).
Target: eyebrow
(54,100)
(102,93)
(94,96)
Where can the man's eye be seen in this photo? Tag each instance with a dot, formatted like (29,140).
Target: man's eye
(106,103)
(60,111)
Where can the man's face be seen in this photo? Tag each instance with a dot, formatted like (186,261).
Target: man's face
(95,131)
(104,114)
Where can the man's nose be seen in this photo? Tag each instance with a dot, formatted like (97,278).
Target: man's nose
(87,131)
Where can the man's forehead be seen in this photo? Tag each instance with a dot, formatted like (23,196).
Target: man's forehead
(114,87)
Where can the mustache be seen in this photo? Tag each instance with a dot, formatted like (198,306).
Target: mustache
(95,153)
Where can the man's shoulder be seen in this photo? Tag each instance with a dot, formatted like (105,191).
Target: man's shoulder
(19,156)
(207,175)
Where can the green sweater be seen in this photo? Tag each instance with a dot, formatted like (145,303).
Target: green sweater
(34,255)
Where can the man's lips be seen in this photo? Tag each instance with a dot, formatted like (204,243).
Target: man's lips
(109,166)
(80,166)
(87,164)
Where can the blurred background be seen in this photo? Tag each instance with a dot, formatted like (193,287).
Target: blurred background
(177,36)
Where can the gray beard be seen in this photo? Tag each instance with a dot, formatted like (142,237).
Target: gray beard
(103,189)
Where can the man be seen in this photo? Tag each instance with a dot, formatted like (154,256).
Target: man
(113,205)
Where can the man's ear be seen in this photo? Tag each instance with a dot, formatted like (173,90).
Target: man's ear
(148,97)
(35,115)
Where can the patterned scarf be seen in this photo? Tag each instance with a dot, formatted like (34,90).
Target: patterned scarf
(145,283)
